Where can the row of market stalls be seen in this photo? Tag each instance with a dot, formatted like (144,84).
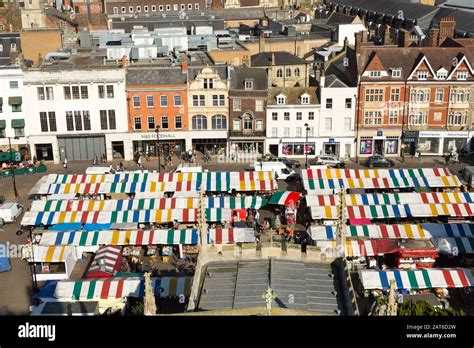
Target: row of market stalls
(402,224)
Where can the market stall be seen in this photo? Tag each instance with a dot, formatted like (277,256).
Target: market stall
(106,263)
(231,235)
(50,262)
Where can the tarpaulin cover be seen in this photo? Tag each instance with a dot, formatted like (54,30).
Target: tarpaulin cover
(44,253)
(5,264)
(287,198)
(231,235)
(454,245)
(404,231)
(125,237)
(106,263)
(357,248)
(63,226)
(417,279)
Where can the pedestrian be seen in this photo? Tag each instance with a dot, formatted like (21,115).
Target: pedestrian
(95,160)
(34,160)
(65,163)
(139,162)
(117,167)
(250,220)
(122,168)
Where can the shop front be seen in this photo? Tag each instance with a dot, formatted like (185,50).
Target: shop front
(439,143)
(297,148)
(167,143)
(247,146)
(339,147)
(379,144)
(470,140)
(409,142)
(214,146)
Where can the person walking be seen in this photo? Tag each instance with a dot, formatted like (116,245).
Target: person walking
(139,162)
(95,160)
(122,168)
(65,163)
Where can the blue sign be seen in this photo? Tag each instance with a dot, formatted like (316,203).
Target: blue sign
(379,133)
(331,140)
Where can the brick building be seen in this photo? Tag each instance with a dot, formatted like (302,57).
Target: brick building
(151,8)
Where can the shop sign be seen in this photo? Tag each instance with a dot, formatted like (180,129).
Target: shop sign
(380,133)
(331,140)
(429,134)
(164,135)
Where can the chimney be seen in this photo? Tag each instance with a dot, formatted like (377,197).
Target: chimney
(403,38)
(184,66)
(432,38)
(124,62)
(386,35)
(447,25)
(261,42)
(322,79)
(358,40)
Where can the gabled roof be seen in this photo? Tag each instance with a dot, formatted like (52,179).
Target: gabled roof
(281,58)
(419,60)
(292,95)
(332,81)
(375,64)
(337,18)
(238,75)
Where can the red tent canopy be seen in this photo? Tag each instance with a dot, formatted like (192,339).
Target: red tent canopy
(106,263)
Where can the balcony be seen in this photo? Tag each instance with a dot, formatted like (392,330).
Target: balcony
(247,133)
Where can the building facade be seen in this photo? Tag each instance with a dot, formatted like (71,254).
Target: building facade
(151,8)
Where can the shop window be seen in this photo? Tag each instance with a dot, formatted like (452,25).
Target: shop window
(366,146)
(391,145)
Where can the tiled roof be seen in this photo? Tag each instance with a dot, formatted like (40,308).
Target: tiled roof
(292,95)
(281,58)
(238,75)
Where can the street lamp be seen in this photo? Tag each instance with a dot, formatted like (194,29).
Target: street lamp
(33,266)
(306,145)
(157,130)
(12,169)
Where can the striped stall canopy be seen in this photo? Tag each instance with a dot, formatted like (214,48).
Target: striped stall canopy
(417,279)
(130,237)
(287,198)
(218,215)
(408,231)
(45,253)
(110,254)
(333,173)
(454,246)
(392,198)
(240,202)
(231,235)
(358,248)
(117,288)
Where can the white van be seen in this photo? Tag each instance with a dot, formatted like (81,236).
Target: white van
(9,212)
(185,168)
(279,169)
(100,170)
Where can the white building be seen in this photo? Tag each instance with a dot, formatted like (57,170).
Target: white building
(75,111)
(12,110)
(337,122)
(288,110)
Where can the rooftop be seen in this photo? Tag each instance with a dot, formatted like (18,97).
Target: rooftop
(281,58)
(238,75)
(292,95)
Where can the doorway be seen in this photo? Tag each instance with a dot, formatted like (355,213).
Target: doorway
(118,149)
(44,152)
(273,150)
(378,146)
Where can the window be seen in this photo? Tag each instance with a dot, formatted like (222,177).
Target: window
(348,103)
(281,100)
(123,9)
(196,6)
(130,9)
(150,101)
(274,116)
(373,95)
(396,73)
(279,73)
(110,91)
(236,105)
(136,102)
(437,116)
(375,74)
(248,84)
(67,92)
(41,95)
(304,99)
(329,103)
(459,96)
(288,72)
(208,84)
(299,116)
(248,123)
(153,8)
(45,93)
(461,75)
(177,100)
(84,92)
(393,117)
(163,100)
(115,10)
(160,8)
(236,124)
(190,6)
(456,119)
(259,105)
(137,123)
(86,117)
(199,122)
(16,105)
(103,119)
(69,121)
(139,9)
(178,122)
(164,122)
(311,116)
(44,121)
(439,96)
(422,74)
(198,100)
(286,132)
(183,7)
(219,122)
(112,121)
(75,92)
(78,120)
(347,124)
(151,122)
(418,118)
(175,7)
(218,100)
(19,132)
(372,117)
(145,8)
(286,116)
(274,132)
(299,131)
(13,84)
(259,125)
(442,74)
(297,72)
(420,95)
(395,94)
(328,124)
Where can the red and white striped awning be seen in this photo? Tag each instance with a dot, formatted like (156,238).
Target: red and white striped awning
(105,260)
(231,235)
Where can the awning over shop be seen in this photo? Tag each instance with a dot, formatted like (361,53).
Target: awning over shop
(287,198)
(128,237)
(18,123)
(417,279)
(405,231)
(42,253)
(3,124)
(454,246)
(231,235)
(357,248)
(14,100)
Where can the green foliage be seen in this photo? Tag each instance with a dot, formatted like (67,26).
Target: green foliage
(418,308)
(137,308)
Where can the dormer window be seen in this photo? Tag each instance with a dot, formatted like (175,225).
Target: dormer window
(248,84)
(422,74)
(375,74)
(281,99)
(461,75)
(305,99)
(396,72)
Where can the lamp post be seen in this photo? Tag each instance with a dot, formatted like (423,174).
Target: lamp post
(33,266)
(12,169)
(306,145)
(157,130)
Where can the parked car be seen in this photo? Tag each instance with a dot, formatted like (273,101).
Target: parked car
(379,161)
(467,176)
(331,161)
(289,162)
(9,212)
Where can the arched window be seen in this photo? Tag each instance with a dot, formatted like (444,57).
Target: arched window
(279,73)
(297,72)
(199,122)
(288,72)
(219,122)
(247,121)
